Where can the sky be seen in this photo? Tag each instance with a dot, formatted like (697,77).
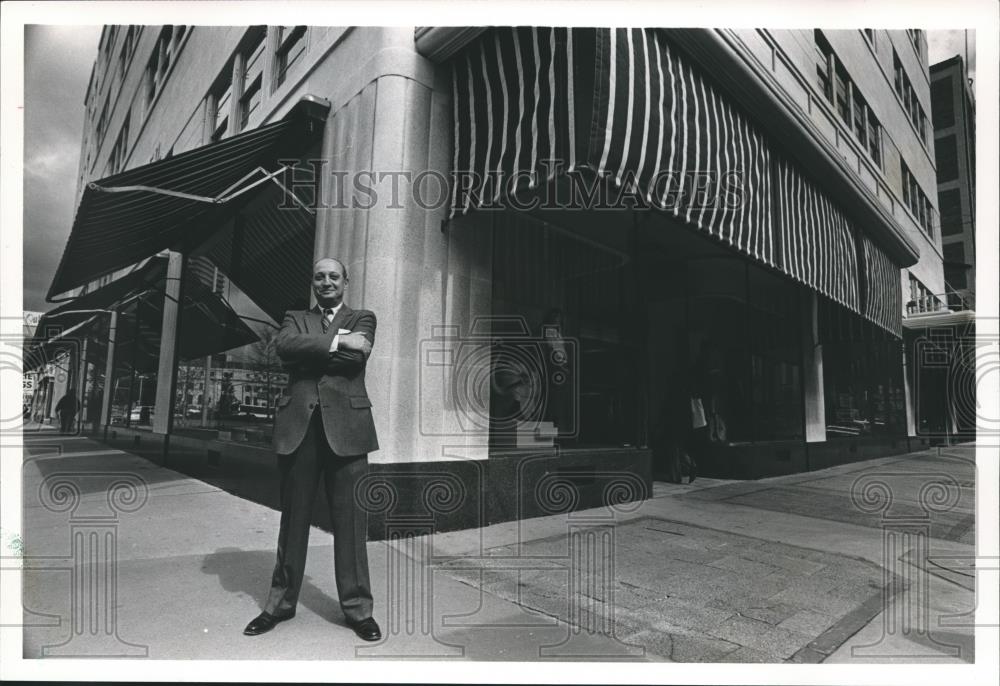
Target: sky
(944,44)
(58,60)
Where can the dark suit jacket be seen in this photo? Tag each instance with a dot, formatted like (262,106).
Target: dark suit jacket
(334,382)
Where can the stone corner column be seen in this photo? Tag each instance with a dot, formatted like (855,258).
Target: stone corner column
(812,372)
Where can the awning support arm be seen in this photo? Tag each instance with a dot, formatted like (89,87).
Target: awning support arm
(220,199)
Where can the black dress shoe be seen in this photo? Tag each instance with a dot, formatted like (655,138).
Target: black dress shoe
(367,629)
(262,623)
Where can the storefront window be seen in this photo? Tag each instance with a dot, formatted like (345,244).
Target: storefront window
(743,328)
(718,356)
(566,362)
(862,376)
(774,338)
(137,348)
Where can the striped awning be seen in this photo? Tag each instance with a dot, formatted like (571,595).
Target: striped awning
(514,106)
(818,247)
(637,111)
(661,127)
(883,288)
(176,203)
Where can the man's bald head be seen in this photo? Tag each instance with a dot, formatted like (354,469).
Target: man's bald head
(343,269)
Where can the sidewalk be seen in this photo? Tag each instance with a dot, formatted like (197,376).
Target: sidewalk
(784,569)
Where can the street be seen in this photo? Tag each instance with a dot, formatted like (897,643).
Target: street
(864,562)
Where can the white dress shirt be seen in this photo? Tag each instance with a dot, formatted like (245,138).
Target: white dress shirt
(330,318)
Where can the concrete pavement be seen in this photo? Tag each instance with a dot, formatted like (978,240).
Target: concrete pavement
(125,558)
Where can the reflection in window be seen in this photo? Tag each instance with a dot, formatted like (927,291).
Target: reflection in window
(862,376)
(570,372)
(743,340)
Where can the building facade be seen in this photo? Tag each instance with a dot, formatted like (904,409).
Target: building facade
(954,116)
(521,343)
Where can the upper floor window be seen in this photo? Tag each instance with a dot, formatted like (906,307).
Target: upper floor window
(942,94)
(921,298)
(915,198)
(253,77)
(102,122)
(916,38)
(128,47)
(950,208)
(167,46)
(177,37)
(874,138)
(107,47)
(290,46)
(842,88)
(240,79)
(119,153)
(870,37)
(906,92)
(825,62)
(837,86)
(946,156)
(104,52)
(220,104)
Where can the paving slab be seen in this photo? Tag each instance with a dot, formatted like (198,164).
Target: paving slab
(732,599)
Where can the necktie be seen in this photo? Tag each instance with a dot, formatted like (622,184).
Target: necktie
(327,318)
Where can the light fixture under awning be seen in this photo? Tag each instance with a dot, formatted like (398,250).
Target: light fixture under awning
(176,203)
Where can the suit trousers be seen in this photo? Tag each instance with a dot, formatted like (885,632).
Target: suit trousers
(301,473)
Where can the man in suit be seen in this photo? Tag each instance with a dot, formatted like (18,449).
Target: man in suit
(323,429)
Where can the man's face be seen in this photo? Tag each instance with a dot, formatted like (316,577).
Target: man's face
(328,283)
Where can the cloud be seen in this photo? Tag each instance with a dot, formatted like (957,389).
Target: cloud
(57,63)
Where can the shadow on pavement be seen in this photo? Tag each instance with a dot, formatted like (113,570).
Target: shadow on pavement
(248,572)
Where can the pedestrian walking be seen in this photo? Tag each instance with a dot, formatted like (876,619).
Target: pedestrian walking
(66,410)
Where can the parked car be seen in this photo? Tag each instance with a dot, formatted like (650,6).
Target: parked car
(141,414)
(253,412)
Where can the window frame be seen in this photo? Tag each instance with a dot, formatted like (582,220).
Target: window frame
(833,75)
(285,44)
(119,152)
(252,56)
(869,35)
(875,139)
